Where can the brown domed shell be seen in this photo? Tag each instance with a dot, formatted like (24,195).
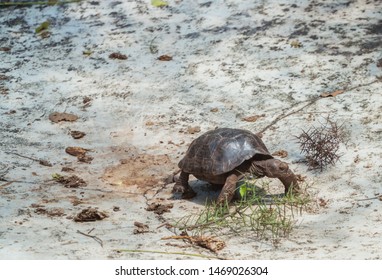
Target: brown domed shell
(222,150)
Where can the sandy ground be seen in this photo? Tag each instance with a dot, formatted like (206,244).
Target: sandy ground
(230,60)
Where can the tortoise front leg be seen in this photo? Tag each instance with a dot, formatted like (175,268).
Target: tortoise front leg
(182,186)
(228,190)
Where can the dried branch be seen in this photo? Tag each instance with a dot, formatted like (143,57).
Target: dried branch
(321,144)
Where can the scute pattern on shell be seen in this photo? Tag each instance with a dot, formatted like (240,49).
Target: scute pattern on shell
(222,150)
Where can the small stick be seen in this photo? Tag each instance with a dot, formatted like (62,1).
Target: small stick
(371,198)
(40,161)
(169,253)
(99,241)
(58,2)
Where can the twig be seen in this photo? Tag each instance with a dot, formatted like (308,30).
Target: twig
(170,253)
(40,161)
(371,198)
(25,182)
(284,115)
(153,48)
(47,2)
(99,241)
(6,184)
(310,102)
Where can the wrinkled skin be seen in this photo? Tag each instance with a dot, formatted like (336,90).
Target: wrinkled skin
(272,168)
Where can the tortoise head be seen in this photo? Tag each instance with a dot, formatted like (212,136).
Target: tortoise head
(274,168)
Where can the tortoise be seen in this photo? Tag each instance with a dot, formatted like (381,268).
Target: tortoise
(223,156)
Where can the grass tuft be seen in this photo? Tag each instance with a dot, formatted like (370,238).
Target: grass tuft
(266,217)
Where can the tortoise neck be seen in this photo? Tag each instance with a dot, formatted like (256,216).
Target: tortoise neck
(256,169)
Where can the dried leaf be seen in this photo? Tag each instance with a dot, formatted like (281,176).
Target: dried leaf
(165,57)
(87,52)
(90,215)
(322,202)
(43,26)
(44,162)
(118,56)
(379,63)
(5,49)
(85,158)
(252,118)
(159,3)
(193,129)
(296,44)
(280,153)
(77,134)
(140,228)
(76,151)
(69,181)
(59,117)
(332,94)
(159,208)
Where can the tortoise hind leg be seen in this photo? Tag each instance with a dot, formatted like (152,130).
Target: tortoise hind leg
(228,190)
(182,186)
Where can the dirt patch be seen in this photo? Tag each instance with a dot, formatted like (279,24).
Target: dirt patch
(142,170)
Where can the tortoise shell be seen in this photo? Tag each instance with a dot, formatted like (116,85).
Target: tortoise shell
(222,150)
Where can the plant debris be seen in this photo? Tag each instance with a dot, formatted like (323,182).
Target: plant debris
(69,181)
(322,202)
(321,144)
(59,117)
(44,162)
(5,49)
(207,242)
(165,57)
(118,56)
(90,215)
(40,161)
(87,52)
(252,118)
(76,151)
(42,27)
(140,228)
(332,94)
(159,3)
(67,169)
(55,212)
(296,44)
(80,153)
(159,208)
(280,153)
(97,239)
(77,134)
(193,129)
(379,63)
